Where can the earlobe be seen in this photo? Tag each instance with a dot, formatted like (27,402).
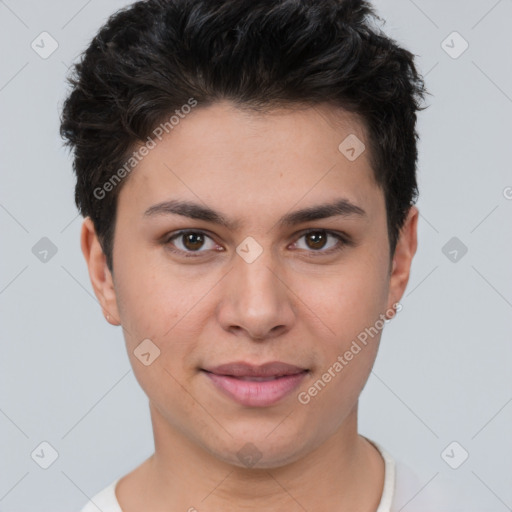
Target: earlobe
(402,259)
(99,273)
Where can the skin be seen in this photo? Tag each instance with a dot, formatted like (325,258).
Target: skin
(284,306)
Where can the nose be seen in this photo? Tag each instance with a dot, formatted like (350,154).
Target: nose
(255,301)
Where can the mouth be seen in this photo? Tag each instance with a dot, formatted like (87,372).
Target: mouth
(256,386)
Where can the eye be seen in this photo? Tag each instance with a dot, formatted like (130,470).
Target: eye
(316,241)
(189,242)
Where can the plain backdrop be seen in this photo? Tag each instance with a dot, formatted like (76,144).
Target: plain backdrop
(443,374)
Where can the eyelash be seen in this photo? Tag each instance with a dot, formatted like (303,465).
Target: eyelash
(343,241)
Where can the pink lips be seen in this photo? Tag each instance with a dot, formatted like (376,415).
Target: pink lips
(256,386)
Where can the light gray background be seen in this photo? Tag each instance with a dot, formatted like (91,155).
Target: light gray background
(444,369)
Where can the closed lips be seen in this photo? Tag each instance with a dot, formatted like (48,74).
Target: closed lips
(245,371)
(256,385)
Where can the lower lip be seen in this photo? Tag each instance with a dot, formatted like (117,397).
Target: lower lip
(256,393)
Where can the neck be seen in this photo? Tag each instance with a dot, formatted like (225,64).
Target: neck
(346,472)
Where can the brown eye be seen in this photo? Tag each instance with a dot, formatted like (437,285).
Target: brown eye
(193,241)
(190,242)
(316,239)
(317,242)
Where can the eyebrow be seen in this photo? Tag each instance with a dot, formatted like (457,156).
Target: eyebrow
(340,207)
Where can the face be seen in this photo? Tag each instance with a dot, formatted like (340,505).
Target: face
(259,282)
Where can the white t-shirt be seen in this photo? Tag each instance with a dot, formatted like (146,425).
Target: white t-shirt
(401,487)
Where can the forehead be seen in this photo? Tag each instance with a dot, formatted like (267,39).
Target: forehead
(236,159)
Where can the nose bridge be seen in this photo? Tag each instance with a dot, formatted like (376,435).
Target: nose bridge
(255,299)
(255,273)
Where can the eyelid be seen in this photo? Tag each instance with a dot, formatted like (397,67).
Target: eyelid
(342,238)
(167,239)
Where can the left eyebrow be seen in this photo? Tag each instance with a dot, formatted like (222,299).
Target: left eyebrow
(341,207)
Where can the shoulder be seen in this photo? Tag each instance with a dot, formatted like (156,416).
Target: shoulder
(405,489)
(105,500)
(436,492)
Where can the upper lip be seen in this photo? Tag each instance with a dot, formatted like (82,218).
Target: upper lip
(242,369)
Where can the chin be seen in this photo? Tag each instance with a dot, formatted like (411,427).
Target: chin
(259,451)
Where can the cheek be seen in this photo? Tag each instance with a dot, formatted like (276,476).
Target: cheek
(350,305)
(165,305)
(146,305)
(151,298)
(160,308)
(347,299)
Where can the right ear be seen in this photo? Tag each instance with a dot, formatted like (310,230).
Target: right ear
(99,273)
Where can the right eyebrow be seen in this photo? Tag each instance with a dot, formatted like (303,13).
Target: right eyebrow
(340,207)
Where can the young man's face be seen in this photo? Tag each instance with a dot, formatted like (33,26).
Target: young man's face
(256,292)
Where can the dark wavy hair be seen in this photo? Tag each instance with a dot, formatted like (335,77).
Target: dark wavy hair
(151,57)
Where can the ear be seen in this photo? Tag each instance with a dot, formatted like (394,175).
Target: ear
(402,259)
(99,273)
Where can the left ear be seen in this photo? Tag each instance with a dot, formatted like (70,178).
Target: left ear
(402,259)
